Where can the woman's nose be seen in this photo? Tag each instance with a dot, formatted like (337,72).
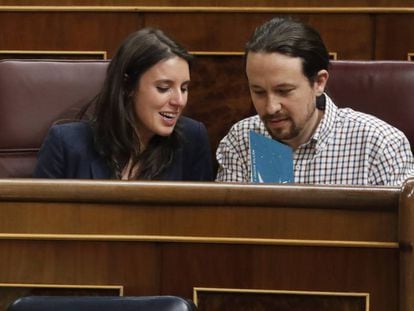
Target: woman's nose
(178,97)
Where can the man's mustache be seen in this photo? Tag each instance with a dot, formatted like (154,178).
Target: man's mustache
(275,117)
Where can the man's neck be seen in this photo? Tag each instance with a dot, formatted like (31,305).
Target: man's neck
(307,132)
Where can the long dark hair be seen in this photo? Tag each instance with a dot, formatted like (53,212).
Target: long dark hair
(113,118)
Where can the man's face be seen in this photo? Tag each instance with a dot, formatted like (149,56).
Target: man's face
(283,96)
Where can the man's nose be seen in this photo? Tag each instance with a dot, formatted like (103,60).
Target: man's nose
(273,105)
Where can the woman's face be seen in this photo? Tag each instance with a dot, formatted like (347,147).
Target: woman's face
(160,97)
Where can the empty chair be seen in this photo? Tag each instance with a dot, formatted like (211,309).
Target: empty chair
(101,303)
(34,94)
(381,88)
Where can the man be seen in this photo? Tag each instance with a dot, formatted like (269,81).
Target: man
(287,70)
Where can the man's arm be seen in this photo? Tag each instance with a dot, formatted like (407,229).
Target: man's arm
(233,158)
(395,164)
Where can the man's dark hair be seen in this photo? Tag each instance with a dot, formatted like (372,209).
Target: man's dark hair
(292,38)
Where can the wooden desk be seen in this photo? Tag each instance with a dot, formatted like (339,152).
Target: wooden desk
(151,238)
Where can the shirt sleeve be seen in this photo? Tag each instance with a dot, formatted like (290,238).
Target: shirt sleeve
(233,157)
(395,163)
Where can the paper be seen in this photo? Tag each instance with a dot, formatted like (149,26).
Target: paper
(271,161)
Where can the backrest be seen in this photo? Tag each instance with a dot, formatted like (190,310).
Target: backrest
(384,89)
(33,95)
(101,303)
(36,93)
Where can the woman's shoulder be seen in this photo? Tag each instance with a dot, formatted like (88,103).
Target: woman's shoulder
(192,129)
(72,129)
(75,126)
(189,122)
(73,134)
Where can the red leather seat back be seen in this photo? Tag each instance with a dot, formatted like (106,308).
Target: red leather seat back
(381,88)
(36,93)
(33,95)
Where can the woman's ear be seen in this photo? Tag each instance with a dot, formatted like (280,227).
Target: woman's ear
(320,81)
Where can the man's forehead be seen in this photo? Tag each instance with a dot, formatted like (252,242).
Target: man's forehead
(268,66)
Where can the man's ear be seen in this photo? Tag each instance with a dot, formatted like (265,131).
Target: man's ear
(320,81)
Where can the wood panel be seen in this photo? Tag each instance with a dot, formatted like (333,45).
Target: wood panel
(29,261)
(66,31)
(406,238)
(268,237)
(197,3)
(337,37)
(179,267)
(219,95)
(88,30)
(239,299)
(65,55)
(286,268)
(230,31)
(395,36)
(208,32)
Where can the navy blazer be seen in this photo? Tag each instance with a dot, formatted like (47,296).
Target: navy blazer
(68,152)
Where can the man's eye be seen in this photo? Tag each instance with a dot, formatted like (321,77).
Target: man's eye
(284,92)
(162,89)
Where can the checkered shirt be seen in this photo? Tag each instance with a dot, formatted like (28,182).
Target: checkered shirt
(348,147)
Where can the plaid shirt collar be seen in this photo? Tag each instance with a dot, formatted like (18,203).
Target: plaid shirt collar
(322,133)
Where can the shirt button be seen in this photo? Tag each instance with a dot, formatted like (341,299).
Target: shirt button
(298,167)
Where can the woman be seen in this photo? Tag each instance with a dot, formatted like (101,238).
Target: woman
(136,130)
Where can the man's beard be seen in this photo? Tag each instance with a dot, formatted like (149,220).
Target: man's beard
(291,131)
(285,133)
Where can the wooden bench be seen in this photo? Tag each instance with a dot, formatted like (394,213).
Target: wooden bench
(333,247)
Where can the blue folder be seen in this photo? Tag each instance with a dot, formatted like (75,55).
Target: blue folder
(271,161)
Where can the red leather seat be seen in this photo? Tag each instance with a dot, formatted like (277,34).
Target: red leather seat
(384,89)
(36,93)
(33,95)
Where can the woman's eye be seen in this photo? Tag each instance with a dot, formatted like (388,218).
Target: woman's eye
(259,93)
(184,89)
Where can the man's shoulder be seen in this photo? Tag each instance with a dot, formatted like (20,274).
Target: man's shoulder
(368,124)
(247,124)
